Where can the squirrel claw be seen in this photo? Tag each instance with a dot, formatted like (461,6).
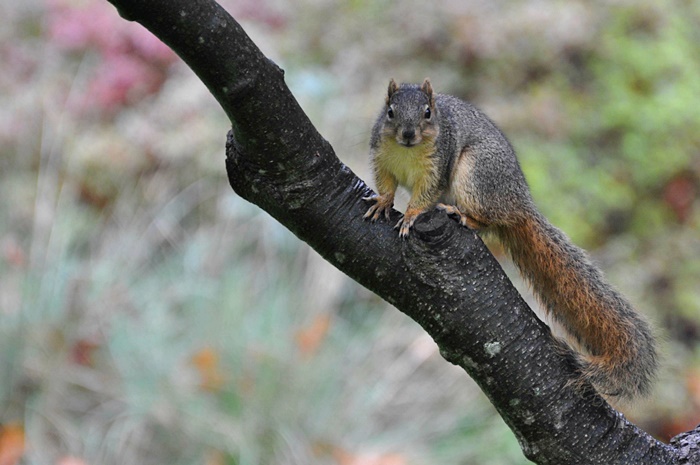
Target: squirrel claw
(406,223)
(403,228)
(383,204)
(372,213)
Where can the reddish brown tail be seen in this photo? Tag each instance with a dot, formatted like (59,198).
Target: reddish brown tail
(621,359)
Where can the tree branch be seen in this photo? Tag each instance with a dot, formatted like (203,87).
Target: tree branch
(442,276)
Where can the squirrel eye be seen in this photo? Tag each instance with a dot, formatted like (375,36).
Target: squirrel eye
(428,113)
(390,113)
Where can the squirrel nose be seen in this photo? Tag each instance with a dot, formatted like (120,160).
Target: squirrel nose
(408,134)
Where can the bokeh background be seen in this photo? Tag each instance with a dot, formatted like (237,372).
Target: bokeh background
(149,315)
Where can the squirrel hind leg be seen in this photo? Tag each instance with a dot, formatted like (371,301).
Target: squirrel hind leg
(464,219)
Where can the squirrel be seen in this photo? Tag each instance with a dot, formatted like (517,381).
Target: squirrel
(450,155)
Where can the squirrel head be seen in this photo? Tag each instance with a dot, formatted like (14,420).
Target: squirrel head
(411,113)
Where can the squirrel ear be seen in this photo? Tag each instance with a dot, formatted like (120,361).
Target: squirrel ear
(427,88)
(393,87)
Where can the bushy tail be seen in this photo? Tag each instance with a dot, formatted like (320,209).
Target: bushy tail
(621,357)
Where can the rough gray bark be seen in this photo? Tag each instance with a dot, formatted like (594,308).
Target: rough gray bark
(442,276)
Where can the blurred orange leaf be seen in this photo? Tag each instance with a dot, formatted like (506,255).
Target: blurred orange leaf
(13,253)
(82,351)
(12,444)
(310,338)
(679,194)
(692,382)
(346,458)
(215,457)
(206,361)
(68,460)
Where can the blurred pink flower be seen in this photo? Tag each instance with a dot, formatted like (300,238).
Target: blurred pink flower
(133,64)
(96,25)
(122,79)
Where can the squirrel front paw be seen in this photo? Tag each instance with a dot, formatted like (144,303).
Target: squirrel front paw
(383,204)
(406,223)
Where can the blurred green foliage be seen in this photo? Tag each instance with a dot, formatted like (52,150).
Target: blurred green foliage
(148,315)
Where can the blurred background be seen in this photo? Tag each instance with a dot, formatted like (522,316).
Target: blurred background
(149,315)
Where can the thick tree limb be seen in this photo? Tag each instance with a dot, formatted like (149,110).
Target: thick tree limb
(442,276)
